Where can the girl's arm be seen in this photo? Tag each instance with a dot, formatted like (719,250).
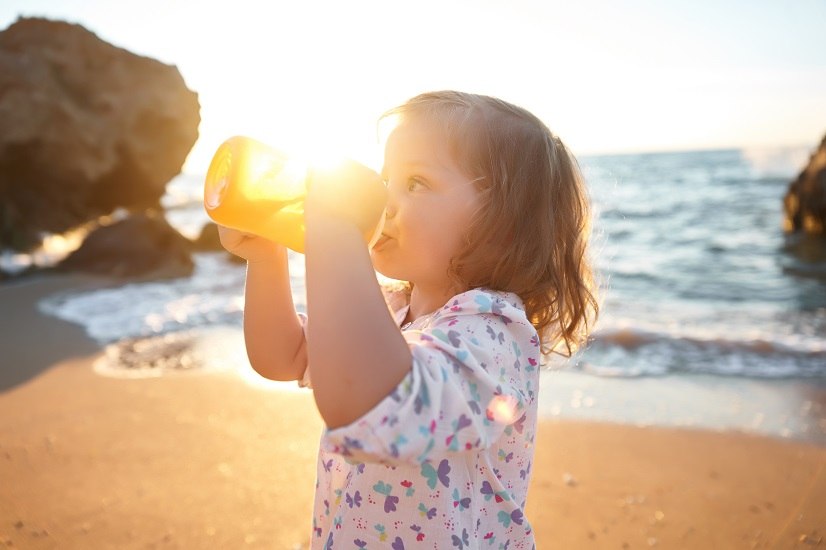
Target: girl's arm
(272,332)
(357,354)
(273,335)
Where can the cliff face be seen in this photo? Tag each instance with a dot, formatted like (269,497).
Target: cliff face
(86,128)
(805,201)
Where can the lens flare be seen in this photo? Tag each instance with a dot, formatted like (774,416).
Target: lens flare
(502,409)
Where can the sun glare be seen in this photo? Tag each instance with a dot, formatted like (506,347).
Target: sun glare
(277,179)
(252,378)
(502,409)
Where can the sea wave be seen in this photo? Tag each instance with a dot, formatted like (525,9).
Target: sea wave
(213,295)
(634,352)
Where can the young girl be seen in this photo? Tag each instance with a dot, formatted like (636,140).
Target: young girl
(429,391)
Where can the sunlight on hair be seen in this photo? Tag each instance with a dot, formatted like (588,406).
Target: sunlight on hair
(502,409)
(386,125)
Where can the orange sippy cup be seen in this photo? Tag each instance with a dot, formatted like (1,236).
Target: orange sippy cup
(257,189)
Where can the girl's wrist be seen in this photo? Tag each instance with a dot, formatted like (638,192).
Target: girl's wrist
(277,255)
(349,194)
(330,229)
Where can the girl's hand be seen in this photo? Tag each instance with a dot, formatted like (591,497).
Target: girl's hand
(250,247)
(349,192)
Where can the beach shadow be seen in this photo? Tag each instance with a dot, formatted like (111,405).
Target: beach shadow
(30,341)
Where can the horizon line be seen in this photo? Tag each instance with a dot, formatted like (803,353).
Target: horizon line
(698,149)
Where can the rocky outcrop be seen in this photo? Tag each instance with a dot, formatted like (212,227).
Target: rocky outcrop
(805,201)
(142,245)
(86,128)
(209,241)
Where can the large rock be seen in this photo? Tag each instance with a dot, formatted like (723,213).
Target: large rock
(85,127)
(142,245)
(805,201)
(210,241)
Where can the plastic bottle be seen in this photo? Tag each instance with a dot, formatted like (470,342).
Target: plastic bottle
(257,189)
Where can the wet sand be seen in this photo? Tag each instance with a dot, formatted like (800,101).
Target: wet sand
(209,460)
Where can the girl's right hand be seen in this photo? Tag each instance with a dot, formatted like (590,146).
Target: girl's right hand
(250,247)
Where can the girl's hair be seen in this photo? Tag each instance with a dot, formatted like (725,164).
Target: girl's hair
(531,233)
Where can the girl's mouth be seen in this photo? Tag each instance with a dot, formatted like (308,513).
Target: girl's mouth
(383,240)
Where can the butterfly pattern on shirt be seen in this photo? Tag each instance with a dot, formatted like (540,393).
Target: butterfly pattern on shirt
(444,460)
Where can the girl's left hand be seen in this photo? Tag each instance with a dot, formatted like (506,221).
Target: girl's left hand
(348,192)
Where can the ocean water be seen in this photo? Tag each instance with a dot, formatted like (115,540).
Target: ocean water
(689,248)
(698,279)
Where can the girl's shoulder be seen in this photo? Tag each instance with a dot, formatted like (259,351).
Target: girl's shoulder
(475,300)
(482,311)
(507,306)
(488,302)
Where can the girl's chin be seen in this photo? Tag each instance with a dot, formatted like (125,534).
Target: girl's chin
(383,270)
(381,265)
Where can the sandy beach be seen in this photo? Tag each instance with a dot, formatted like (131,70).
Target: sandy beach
(208,460)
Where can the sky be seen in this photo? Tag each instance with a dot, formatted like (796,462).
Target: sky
(312,77)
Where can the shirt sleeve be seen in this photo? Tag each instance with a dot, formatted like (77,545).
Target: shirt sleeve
(468,381)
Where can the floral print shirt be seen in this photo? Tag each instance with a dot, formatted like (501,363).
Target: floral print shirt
(444,461)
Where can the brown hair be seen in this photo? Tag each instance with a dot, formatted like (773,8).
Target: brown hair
(531,234)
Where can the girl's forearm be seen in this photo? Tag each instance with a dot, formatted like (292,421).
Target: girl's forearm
(272,332)
(357,355)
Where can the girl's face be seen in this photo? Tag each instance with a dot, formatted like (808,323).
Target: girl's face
(430,204)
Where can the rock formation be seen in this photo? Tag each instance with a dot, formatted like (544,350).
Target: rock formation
(209,241)
(805,201)
(142,245)
(86,128)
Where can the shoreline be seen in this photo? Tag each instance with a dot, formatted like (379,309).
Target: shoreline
(787,409)
(209,459)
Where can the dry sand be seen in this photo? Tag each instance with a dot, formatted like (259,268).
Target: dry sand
(207,460)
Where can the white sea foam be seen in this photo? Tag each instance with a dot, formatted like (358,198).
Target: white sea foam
(779,162)
(212,295)
(207,349)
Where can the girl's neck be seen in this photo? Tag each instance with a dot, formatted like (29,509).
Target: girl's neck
(423,301)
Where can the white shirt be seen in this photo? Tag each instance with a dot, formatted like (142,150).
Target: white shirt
(444,461)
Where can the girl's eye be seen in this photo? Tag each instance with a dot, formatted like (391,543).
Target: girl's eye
(414,183)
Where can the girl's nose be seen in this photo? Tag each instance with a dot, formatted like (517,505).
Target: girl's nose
(389,212)
(390,206)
